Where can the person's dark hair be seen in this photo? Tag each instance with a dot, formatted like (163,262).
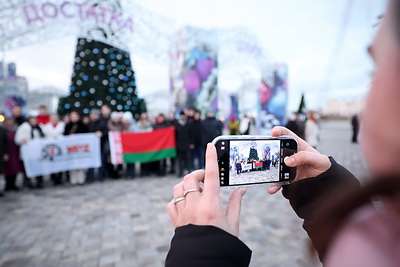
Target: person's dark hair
(336,210)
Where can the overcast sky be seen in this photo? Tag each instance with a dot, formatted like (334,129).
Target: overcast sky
(323,43)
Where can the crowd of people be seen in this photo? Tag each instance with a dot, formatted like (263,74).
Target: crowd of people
(192,135)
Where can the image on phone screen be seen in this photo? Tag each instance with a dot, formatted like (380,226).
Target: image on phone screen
(253,161)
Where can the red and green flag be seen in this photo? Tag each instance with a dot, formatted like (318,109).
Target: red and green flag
(143,147)
(258,165)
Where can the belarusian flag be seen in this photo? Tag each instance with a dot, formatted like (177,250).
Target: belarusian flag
(258,165)
(144,147)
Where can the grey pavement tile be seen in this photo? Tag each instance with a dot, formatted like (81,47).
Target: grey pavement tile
(90,263)
(127,263)
(11,255)
(110,259)
(25,261)
(87,256)
(129,255)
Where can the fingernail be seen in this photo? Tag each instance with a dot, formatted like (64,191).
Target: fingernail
(243,191)
(289,160)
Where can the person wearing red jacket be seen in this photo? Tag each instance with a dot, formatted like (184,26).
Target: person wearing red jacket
(44,117)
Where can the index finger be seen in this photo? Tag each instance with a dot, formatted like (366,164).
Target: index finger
(211,179)
(279,130)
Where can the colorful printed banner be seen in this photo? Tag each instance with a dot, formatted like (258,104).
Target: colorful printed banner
(46,156)
(273,95)
(194,70)
(142,147)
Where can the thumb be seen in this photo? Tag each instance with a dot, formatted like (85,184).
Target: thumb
(300,158)
(314,160)
(233,210)
(273,189)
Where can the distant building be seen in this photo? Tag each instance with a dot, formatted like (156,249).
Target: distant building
(343,108)
(157,102)
(13,89)
(48,96)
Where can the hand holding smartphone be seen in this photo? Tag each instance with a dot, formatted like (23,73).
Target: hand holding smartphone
(253,160)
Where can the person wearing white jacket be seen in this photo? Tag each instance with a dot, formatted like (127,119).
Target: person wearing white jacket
(312,130)
(54,129)
(27,131)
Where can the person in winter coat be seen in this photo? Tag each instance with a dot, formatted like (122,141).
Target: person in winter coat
(182,143)
(27,131)
(44,116)
(3,147)
(17,115)
(196,132)
(172,161)
(211,128)
(115,124)
(312,130)
(161,165)
(129,126)
(347,230)
(3,151)
(76,126)
(355,124)
(144,125)
(12,160)
(233,126)
(98,126)
(245,125)
(54,129)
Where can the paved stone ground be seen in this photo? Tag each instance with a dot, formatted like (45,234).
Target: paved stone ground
(125,223)
(254,176)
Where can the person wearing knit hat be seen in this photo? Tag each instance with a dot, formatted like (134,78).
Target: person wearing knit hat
(128,123)
(98,126)
(95,111)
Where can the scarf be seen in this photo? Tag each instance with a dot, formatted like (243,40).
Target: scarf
(33,128)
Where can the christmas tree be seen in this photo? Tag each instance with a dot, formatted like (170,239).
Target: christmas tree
(102,74)
(302,105)
(253,154)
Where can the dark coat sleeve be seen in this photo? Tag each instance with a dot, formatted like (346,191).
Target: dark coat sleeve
(307,196)
(194,245)
(67,129)
(3,142)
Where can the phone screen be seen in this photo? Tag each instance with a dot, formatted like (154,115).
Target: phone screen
(245,162)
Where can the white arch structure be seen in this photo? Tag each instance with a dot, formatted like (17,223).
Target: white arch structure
(120,23)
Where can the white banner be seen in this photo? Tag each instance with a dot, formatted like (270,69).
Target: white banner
(46,156)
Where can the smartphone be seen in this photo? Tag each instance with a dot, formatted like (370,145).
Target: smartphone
(253,160)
